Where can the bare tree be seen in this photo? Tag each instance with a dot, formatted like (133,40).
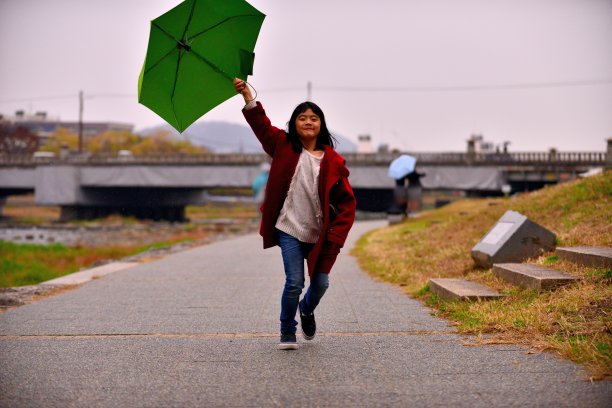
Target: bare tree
(17,140)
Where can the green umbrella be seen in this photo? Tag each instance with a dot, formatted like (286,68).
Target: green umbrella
(195,51)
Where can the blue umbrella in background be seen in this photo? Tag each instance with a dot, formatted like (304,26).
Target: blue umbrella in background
(401,167)
(259,184)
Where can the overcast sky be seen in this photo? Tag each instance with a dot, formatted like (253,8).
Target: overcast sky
(537,73)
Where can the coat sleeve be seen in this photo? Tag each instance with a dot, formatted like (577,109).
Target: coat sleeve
(267,134)
(343,201)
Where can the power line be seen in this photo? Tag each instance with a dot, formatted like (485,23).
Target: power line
(39,98)
(67,97)
(287,89)
(461,88)
(116,95)
(435,88)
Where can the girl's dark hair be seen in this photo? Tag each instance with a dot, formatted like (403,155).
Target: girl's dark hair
(324,138)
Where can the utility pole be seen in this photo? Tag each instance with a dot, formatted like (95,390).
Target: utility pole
(309,91)
(80,122)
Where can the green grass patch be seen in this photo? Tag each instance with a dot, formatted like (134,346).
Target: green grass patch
(423,291)
(605,349)
(601,275)
(549,260)
(29,264)
(467,318)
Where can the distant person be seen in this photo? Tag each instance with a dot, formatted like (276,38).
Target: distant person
(308,210)
(259,184)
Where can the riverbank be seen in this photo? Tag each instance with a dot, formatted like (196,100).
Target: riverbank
(572,321)
(35,247)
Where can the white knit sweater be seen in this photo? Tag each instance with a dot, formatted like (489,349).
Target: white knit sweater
(301,215)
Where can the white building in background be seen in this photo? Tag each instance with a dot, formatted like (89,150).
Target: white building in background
(364,144)
(481,145)
(477,144)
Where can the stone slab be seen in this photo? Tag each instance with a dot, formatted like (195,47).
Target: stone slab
(514,238)
(532,276)
(588,256)
(395,219)
(81,277)
(461,289)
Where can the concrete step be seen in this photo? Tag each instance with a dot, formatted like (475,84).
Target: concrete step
(532,276)
(587,256)
(460,289)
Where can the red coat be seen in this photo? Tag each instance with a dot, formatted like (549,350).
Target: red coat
(334,189)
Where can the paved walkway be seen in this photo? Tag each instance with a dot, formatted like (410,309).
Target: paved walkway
(199,328)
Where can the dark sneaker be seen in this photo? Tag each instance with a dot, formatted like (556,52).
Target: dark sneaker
(288,342)
(308,325)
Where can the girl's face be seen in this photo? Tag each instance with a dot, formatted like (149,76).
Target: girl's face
(308,125)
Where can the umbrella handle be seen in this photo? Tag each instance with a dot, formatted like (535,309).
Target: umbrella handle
(254,90)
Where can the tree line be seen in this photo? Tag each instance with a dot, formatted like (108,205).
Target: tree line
(21,140)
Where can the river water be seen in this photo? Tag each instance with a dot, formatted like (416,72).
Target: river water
(107,235)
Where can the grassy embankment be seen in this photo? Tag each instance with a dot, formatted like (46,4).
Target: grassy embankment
(574,321)
(29,264)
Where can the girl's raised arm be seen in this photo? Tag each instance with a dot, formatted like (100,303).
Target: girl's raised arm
(267,134)
(242,88)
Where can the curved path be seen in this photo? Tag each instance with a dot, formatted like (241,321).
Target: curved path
(199,328)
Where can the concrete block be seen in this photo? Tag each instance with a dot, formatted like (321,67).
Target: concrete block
(588,256)
(532,276)
(459,289)
(514,238)
(395,219)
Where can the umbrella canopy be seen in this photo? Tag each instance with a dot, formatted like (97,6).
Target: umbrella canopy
(195,51)
(401,167)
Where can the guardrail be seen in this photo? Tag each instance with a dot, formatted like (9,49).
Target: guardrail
(376,159)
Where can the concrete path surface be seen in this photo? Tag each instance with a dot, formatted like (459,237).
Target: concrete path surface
(199,328)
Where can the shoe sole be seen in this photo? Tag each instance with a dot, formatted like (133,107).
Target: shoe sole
(306,337)
(287,346)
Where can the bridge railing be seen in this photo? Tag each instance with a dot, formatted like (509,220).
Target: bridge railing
(559,157)
(206,158)
(374,159)
(482,159)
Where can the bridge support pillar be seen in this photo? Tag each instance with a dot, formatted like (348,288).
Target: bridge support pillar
(609,153)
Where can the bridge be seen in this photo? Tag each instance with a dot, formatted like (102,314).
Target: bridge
(161,186)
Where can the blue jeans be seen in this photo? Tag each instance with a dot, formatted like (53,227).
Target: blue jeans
(294,252)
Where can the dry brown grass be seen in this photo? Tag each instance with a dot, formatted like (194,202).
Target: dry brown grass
(237,210)
(574,321)
(22,209)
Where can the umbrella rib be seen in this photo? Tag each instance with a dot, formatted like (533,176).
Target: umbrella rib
(176,74)
(189,20)
(221,22)
(160,60)
(213,66)
(156,63)
(164,31)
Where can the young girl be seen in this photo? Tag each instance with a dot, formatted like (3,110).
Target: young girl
(308,210)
